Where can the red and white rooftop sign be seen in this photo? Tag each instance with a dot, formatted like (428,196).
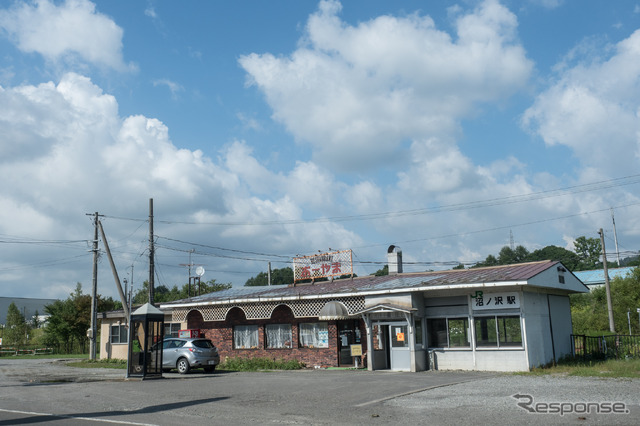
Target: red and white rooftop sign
(324,265)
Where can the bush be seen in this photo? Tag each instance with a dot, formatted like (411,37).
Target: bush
(255,364)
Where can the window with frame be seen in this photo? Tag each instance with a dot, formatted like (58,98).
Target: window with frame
(498,332)
(314,335)
(278,336)
(171,329)
(418,331)
(448,333)
(119,334)
(245,337)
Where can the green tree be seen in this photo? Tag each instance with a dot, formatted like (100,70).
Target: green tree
(35,321)
(489,261)
(279,276)
(508,256)
(589,310)
(382,271)
(567,257)
(588,251)
(16,329)
(70,319)
(163,294)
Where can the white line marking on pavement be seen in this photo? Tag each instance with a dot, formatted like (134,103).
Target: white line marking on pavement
(66,416)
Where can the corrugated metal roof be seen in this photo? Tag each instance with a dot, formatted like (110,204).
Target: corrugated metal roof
(506,273)
(596,276)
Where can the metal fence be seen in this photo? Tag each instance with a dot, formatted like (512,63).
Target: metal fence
(618,346)
(8,351)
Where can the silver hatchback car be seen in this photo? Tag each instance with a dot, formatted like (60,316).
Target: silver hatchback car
(185,354)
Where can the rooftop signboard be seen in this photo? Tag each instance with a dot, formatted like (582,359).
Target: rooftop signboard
(323,265)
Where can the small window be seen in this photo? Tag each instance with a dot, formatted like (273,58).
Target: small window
(119,334)
(458,332)
(245,337)
(278,336)
(378,338)
(438,333)
(171,329)
(448,332)
(399,337)
(509,331)
(314,335)
(498,332)
(418,331)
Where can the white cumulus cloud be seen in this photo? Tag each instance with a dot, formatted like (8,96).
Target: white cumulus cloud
(65,32)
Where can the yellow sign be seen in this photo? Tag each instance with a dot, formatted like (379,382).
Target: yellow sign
(356,350)
(400,337)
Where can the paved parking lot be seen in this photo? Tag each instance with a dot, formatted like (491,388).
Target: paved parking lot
(34,392)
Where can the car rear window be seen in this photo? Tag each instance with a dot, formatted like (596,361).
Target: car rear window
(203,343)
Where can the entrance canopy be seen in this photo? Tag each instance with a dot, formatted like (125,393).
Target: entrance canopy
(386,308)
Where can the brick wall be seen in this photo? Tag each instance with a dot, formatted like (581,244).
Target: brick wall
(221,334)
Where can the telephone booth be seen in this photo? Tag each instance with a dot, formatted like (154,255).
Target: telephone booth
(146,332)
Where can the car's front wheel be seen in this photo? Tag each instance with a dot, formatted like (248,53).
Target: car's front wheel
(183,366)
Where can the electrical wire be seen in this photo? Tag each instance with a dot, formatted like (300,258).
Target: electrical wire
(575,189)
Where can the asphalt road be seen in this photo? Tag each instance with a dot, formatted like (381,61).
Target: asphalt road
(49,392)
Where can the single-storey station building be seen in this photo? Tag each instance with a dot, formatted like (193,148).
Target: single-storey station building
(503,318)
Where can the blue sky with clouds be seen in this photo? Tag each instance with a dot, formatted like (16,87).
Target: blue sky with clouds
(265,130)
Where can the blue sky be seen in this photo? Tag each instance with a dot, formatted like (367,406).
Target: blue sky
(266,130)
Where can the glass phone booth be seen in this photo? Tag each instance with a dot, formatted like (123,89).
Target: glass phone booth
(146,332)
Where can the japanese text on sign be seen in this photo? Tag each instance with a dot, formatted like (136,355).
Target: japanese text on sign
(333,264)
(481,301)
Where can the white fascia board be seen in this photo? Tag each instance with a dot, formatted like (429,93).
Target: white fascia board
(472,286)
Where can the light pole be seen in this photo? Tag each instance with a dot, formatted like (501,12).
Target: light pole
(629,320)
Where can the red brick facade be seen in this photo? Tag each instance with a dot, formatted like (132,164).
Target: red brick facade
(221,334)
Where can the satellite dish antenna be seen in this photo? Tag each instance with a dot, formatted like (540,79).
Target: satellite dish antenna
(199,271)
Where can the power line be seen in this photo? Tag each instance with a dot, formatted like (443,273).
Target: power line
(594,186)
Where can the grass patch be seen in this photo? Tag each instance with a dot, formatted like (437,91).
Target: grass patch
(618,368)
(103,363)
(256,364)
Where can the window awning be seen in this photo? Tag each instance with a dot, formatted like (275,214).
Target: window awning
(333,311)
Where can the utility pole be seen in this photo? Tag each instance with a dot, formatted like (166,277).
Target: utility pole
(93,335)
(269,274)
(116,278)
(130,295)
(151,253)
(612,327)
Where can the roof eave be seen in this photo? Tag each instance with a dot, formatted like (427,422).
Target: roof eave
(351,294)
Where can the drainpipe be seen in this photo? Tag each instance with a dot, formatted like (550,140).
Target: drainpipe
(369,330)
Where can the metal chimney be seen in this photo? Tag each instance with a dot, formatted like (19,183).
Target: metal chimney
(394,259)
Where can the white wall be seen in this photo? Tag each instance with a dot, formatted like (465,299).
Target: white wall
(561,323)
(486,360)
(537,331)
